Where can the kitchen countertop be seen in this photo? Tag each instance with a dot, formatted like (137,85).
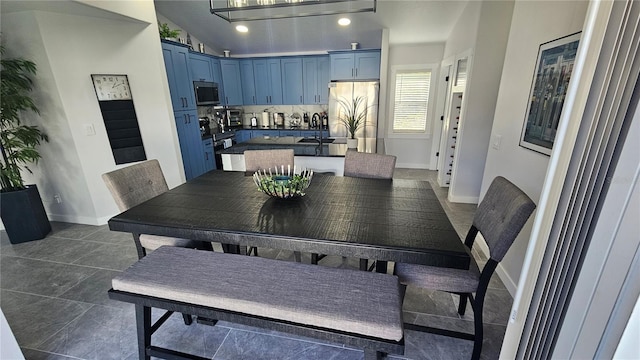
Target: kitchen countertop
(280,128)
(336,149)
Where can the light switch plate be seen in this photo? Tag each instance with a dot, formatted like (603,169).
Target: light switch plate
(497,140)
(89,130)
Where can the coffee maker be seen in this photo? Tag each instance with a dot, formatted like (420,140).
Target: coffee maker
(205,128)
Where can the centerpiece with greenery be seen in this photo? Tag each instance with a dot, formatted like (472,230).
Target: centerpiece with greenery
(22,211)
(353,115)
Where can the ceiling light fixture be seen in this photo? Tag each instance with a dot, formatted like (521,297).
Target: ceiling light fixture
(242,28)
(344,21)
(250,10)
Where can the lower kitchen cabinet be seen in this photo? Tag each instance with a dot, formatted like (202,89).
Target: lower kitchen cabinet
(190,143)
(243,135)
(290,133)
(258,133)
(209,157)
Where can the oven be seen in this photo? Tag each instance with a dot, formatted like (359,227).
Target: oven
(222,141)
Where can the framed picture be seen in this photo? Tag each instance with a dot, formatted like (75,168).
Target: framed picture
(548,89)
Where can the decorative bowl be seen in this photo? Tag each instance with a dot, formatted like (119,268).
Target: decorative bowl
(283,183)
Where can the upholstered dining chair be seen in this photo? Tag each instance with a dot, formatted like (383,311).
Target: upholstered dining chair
(499,218)
(135,184)
(255,160)
(365,165)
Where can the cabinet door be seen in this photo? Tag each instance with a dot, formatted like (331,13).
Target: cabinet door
(243,135)
(217,78)
(190,143)
(262,133)
(275,81)
(292,93)
(232,81)
(310,79)
(367,65)
(209,158)
(261,78)
(290,133)
(200,67)
(342,66)
(324,77)
(248,82)
(181,86)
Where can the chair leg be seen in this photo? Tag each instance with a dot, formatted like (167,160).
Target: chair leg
(298,256)
(188,320)
(478,334)
(462,304)
(364,264)
(139,249)
(373,355)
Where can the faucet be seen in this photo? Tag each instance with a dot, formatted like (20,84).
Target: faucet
(318,137)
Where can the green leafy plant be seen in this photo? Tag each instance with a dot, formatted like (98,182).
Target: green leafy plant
(18,142)
(166,32)
(353,114)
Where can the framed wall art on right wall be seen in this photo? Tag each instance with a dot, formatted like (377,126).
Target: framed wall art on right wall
(553,70)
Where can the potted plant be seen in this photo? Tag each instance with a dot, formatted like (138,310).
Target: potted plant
(353,115)
(21,207)
(167,33)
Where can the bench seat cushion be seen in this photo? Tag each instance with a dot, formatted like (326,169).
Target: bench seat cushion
(352,301)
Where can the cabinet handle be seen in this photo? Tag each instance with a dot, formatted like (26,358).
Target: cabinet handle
(185,118)
(300,98)
(351,72)
(253,99)
(356,72)
(206,156)
(226,99)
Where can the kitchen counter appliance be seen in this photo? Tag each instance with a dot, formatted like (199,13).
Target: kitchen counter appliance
(206,93)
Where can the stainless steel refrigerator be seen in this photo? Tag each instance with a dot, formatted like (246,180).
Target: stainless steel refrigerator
(349,90)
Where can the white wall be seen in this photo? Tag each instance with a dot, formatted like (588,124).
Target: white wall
(412,151)
(67,50)
(463,34)
(485,68)
(533,23)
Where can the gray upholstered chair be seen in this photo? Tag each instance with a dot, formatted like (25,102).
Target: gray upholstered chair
(255,160)
(367,165)
(499,218)
(135,184)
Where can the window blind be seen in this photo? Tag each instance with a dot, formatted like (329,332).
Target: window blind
(411,101)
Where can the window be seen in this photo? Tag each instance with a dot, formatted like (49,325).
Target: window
(411,100)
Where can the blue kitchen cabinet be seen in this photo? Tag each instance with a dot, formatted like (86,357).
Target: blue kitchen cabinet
(292,85)
(263,133)
(248,82)
(290,133)
(209,158)
(268,81)
(316,76)
(243,135)
(176,62)
(190,142)
(201,69)
(355,65)
(217,78)
(232,81)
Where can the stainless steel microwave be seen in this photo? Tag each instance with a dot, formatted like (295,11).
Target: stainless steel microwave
(206,93)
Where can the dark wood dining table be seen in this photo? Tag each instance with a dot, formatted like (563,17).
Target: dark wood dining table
(385,220)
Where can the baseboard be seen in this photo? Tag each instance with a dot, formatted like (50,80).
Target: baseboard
(78,219)
(481,245)
(463,199)
(412,165)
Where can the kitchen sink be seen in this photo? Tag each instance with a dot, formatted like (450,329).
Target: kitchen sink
(314,140)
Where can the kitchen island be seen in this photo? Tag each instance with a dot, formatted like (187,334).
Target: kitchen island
(308,153)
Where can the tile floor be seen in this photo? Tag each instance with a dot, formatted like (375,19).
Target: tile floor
(53,294)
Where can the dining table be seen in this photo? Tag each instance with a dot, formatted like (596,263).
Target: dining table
(395,220)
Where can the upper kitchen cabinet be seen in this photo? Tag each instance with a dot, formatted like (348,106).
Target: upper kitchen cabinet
(176,62)
(316,74)
(231,81)
(355,65)
(248,82)
(292,85)
(201,69)
(268,81)
(217,78)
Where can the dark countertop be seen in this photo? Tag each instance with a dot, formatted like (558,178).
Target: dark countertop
(280,128)
(336,149)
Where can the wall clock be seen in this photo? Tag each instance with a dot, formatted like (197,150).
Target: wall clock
(111,87)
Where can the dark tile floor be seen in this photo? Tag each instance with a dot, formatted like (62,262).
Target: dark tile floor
(53,294)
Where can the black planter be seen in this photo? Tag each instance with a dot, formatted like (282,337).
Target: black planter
(23,215)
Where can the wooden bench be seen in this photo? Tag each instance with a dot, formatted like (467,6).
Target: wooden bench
(356,308)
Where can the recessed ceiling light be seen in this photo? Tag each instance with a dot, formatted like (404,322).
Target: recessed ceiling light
(242,28)
(344,21)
